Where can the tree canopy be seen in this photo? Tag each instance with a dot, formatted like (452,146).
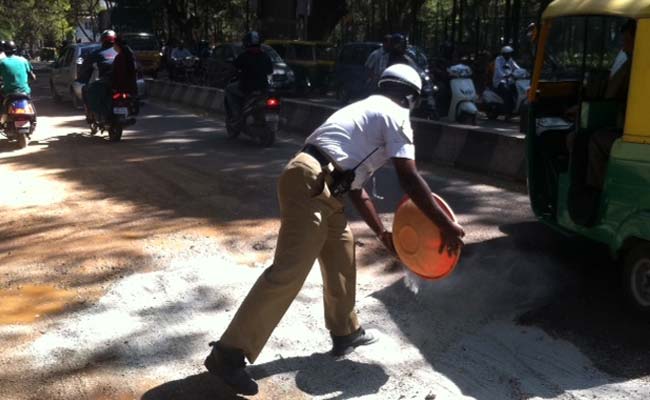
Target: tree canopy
(470,25)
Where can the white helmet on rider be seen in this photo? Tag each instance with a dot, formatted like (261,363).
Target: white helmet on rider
(403,82)
(507,50)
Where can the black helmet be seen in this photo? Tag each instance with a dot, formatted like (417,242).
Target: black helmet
(398,42)
(10,47)
(252,39)
(108,36)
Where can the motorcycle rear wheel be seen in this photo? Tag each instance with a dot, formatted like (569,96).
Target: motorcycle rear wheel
(114,133)
(266,138)
(22,141)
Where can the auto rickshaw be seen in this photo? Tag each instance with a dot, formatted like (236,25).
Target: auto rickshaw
(577,53)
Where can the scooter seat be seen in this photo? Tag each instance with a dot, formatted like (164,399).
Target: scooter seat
(18,96)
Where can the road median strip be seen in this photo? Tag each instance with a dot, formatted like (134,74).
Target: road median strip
(479,149)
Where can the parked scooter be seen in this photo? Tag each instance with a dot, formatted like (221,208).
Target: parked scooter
(124,108)
(460,102)
(494,105)
(18,119)
(259,119)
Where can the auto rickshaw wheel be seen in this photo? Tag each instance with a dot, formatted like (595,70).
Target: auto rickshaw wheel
(636,277)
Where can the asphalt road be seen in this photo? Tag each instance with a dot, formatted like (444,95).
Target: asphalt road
(119,262)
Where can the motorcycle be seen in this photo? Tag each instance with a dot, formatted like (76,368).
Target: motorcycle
(124,108)
(186,69)
(494,105)
(259,119)
(19,120)
(427,105)
(460,95)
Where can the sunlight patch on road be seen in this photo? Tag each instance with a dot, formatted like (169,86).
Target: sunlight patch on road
(31,302)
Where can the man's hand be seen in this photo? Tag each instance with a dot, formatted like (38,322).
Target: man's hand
(451,239)
(417,189)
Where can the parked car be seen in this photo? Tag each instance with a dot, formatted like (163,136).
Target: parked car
(349,72)
(65,72)
(219,69)
(147,51)
(312,62)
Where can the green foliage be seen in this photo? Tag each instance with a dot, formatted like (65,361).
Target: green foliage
(34,21)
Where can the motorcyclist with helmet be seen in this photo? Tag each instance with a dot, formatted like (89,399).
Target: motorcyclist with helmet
(397,53)
(15,72)
(97,94)
(253,67)
(337,159)
(504,67)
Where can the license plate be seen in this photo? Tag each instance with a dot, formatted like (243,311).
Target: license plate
(272,117)
(22,124)
(120,111)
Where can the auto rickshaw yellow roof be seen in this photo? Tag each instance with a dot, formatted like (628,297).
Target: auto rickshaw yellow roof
(622,8)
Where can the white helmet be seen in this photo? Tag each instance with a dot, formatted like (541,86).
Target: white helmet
(402,74)
(507,50)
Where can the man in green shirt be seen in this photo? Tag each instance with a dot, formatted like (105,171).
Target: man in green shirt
(15,71)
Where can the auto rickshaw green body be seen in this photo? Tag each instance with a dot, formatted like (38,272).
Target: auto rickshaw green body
(620,217)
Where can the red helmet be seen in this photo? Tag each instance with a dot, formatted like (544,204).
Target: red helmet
(108,36)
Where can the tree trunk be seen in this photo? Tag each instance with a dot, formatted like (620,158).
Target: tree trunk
(454,14)
(507,34)
(516,12)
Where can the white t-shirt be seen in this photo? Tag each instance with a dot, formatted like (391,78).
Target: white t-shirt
(354,132)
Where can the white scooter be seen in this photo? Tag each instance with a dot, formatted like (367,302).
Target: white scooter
(462,107)
(495,105)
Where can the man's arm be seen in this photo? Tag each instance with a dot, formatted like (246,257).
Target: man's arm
(364,205)
(30,71)
(418,190)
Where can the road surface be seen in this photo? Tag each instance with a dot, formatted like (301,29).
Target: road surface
(119,262)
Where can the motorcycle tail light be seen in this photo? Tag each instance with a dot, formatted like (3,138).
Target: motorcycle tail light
(272,102)
(117,96)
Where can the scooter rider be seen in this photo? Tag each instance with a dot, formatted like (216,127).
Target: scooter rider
(338,158)
(253,66)
(97,94)
(504,66)
(15,72)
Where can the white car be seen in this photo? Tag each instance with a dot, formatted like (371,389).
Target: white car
(65,70)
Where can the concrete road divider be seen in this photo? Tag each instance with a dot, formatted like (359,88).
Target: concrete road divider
(475,148)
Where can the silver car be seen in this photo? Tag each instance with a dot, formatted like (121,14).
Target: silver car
(65,72)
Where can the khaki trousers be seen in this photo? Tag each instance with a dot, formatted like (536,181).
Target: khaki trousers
(313,226)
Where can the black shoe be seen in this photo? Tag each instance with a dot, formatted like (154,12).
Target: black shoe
(343,345)
(230,366)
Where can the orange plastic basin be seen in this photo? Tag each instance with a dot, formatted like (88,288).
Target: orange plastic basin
(417,240)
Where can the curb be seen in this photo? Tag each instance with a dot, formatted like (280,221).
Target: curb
(472,148)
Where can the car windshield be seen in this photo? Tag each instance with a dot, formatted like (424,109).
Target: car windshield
(273,55)
(325,53)
(579,45)
(142,43)
(304,52)
(85,50)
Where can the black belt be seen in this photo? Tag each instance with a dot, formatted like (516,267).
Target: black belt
(316,153)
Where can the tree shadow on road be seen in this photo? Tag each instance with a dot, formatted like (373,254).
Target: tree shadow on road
(480,327)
